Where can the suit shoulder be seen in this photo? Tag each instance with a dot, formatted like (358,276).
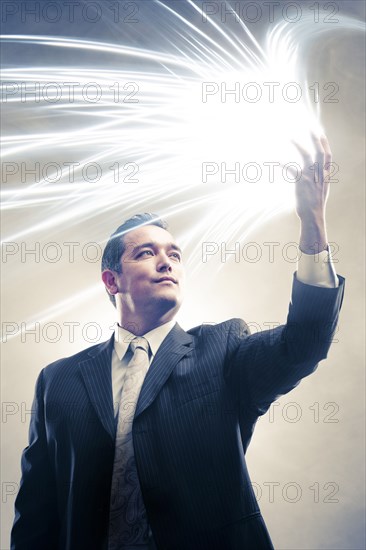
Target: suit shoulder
(73,360)
(235,326)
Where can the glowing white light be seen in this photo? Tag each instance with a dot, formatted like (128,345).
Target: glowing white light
(174,118)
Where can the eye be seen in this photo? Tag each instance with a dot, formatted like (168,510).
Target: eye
(176,255)
(144,252)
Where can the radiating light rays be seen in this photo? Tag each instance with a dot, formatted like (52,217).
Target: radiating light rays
(241,49)
(49,314)
(171,133)
(99,47)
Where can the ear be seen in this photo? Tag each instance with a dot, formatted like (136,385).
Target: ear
(109,279)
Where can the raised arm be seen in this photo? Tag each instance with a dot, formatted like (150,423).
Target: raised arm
(271,363)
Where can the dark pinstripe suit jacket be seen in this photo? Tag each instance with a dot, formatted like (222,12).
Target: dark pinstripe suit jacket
(194,419)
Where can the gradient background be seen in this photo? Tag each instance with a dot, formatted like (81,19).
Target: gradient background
(321,458)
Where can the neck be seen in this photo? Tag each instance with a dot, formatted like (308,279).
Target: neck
(140,325)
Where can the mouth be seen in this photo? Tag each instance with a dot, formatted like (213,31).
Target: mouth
(166,279)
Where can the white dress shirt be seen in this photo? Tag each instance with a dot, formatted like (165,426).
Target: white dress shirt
(317,269)
(120,357)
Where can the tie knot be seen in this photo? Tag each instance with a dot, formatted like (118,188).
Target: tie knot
(139,342)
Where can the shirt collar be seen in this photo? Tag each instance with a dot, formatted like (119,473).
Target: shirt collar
(123,337)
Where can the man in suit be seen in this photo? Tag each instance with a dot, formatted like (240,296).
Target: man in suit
(198,404)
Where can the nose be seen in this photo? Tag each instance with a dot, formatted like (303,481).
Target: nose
(164,264)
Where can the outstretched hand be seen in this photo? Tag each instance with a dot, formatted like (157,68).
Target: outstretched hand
(312,191)
(312,188)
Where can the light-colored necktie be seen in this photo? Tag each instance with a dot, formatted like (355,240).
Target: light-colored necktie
(128,526)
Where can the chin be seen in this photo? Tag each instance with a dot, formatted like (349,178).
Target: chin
(166,303)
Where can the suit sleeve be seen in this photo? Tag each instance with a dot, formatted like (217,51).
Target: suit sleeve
(36,520)
(272,362)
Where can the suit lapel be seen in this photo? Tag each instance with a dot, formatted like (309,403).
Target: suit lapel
(96,372)
(175,345)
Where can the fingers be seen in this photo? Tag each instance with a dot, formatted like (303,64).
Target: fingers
(323,153)
(304,153)
(327,152)
(319,150)
(322,148)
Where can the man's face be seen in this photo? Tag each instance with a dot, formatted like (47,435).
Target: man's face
(152,271)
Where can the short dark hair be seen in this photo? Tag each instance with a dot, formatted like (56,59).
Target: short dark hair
(115,246)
